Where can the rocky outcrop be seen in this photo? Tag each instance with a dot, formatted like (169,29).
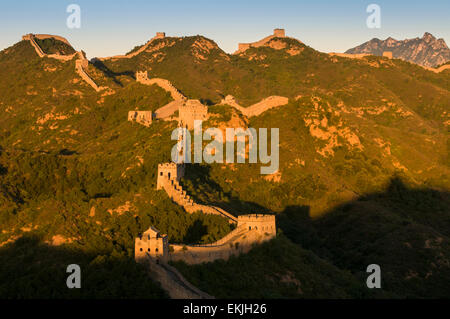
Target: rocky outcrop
(426,51)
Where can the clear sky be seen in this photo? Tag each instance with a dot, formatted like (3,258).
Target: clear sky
(110,27)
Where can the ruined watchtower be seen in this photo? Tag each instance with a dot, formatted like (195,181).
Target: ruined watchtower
(190,111)
(151,244)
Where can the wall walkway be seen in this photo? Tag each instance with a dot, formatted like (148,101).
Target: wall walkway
(80,64)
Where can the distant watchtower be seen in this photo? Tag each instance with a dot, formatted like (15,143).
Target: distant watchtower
(279,33)
(141,76)
(151,244)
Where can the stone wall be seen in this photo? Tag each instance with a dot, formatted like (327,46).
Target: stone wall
(251,230)
(168,172)
(159,35)
(168,110)
(142,77)
(81,63)
(50,36)
(141,117)
(169,175)
(153,244)
(440,69)
(172,281)
(80,66)
(350,56)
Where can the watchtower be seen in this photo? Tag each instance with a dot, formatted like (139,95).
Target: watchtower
(151,244)
(387,54)
(258,222)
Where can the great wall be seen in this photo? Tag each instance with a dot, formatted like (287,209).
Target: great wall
(81,63)
(193,109)
(388,55)
(159,35)
(153,249)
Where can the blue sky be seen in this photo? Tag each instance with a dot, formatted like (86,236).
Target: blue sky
(112,27)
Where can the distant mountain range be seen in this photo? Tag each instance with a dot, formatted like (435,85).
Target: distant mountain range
(427,51)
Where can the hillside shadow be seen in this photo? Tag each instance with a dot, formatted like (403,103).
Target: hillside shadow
(404,230)
(30,268)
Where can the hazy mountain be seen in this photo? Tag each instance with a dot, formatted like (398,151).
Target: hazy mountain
(363,142)
(427,51)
